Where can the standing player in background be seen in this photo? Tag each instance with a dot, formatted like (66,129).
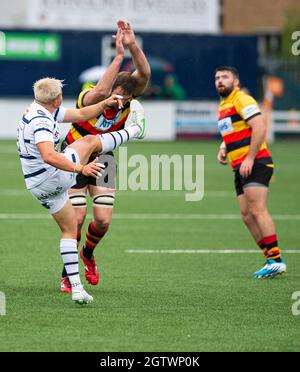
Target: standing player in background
(244,131)
(49,174)
(129,85)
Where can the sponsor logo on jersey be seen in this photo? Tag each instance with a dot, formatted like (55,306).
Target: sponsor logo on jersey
(105,124)
(225,125)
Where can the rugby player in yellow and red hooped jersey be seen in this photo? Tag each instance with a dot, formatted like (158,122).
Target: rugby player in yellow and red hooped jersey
(128,85)
(243,130)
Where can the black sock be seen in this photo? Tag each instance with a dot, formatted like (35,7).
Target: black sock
(87,252)
(64,273)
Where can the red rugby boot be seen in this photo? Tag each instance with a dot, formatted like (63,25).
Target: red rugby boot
(65,285)
(91,271)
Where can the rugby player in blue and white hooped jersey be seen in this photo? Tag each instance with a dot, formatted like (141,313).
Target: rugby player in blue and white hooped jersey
(49,174)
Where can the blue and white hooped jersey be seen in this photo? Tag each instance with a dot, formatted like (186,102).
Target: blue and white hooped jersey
(37,125)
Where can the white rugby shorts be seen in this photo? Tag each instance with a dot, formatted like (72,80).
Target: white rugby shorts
(53,192)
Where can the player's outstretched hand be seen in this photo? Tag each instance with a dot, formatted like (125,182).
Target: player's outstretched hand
(222,154)
(93,169)
(125,27)
(119,43)
(114,100)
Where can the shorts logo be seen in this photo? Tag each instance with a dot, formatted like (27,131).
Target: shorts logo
(46,205)
(45,196)
(225,125)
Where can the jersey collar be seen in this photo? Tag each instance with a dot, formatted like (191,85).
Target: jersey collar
(42,108)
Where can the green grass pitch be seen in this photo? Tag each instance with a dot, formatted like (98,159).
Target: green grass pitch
(155,301)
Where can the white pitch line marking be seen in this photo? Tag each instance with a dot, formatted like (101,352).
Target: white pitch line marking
(25,216)
(140,194)
(201,251)
(195,216)
(153,216)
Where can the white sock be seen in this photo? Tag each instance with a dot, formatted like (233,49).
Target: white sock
(112,140)
(69,255)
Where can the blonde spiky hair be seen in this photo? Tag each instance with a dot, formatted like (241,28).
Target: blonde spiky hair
(47,89)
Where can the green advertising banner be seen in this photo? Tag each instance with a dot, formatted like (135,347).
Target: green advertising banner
(35,47)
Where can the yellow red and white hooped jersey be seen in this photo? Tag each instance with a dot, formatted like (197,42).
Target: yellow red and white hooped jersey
(110,120)
(234,113)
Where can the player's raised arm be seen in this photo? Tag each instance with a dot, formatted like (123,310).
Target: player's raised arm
(104,85)
(143,71)
(90,112)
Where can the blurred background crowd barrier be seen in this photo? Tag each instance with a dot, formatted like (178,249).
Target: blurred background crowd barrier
(184,42)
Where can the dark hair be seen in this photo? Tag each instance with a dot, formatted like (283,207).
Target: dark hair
(126,81)
(233,70)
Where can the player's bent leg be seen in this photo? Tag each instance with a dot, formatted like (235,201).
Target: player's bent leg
(250,222)
(257,201)
(66,220)
(256,197)
(103,201)
(78,201)
(53,195)
(86,146)
(106,142)
(248,219)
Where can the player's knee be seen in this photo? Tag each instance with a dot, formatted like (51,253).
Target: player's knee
(69,229)
(256,211)
(246,217)
(102,221)
(92,141)
(102,224)
(105,203)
